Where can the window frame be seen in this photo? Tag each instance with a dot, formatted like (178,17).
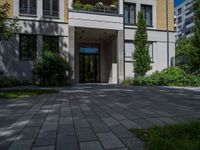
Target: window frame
(135,11)
(20,47)
(28,9)
(151,19)
(51,9)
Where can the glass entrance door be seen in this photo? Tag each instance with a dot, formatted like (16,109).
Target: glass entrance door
(89,64)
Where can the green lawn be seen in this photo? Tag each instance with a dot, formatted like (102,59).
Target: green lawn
(8,94)
(182,136)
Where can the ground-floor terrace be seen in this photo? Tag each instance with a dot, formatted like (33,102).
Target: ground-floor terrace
(92,117)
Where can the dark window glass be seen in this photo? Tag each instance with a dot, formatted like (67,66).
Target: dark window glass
(51,43)
(130,13)
(51,8)
(148,15)
(28,7)
(179,19)
(28,46)
(179,11)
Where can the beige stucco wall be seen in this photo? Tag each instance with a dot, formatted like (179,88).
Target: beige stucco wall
(66,10)
(11,6)
(161,15)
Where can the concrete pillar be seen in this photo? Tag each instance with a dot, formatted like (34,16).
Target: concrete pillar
(72,51)
(120,55)
(121,6)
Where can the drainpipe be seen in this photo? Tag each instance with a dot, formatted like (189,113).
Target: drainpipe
(167,29)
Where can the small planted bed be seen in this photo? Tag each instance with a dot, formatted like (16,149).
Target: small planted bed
(8,94)
(182,136)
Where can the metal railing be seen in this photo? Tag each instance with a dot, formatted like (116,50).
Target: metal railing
(105,10)
(27,11)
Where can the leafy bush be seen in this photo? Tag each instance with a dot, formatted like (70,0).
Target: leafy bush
(52,70)
(88,7)
(172,76)
(7,81)
(77,5)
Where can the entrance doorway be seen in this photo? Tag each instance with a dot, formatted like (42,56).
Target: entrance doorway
(89,63)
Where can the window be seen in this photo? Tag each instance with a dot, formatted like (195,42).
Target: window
(179,11)
(28,7)
(179,19)
(28,46)
(51,8)
(147,9)
(130,13)
(129,50)
(51,43)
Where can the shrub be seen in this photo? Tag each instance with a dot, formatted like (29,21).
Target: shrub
(77,5)
(88,7)
(7,81)
(52,70)
(172,76)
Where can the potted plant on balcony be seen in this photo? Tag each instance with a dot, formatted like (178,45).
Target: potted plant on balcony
(77,5)
(88,7)
(99,6)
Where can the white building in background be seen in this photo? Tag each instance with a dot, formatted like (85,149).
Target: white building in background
(98,42)
(184,19)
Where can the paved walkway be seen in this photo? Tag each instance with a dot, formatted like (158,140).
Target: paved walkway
(92,117)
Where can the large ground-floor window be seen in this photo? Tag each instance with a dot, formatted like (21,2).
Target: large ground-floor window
(51,43)
(28,46)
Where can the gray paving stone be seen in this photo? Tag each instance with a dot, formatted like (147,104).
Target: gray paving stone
(110,141)
(86,134)
(67,142)
(121,131)
(64,120)
(82,123)
(66,130)
(100,127)
(21,145)
(95,145)
(110,121)
(44,148)
(45,139)
(80,113)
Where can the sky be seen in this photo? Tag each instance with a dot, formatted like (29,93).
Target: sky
(177,1)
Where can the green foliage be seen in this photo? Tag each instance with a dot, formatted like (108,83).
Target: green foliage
(196,38)
(7,81)
(8,27)
(52,70)
(186,55)
(141,55)
(172,76)
(8,94)
(77,5)
(88,7)
(182,136)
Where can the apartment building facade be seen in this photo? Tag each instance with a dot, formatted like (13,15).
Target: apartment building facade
(97,41)
(184,19)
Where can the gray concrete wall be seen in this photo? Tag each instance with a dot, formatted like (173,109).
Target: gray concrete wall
(12,65)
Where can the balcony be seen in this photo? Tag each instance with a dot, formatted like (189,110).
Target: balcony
(92,6)
(94,14)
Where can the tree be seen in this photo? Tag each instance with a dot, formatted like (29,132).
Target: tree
(8,27)
(196,37)
(141,57)
(186,54)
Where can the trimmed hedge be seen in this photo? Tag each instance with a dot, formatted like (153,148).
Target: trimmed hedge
(172,76)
